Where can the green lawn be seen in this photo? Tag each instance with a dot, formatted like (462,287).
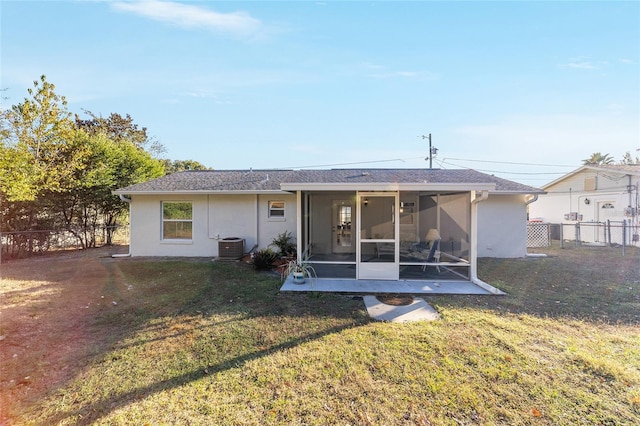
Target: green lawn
(195,342)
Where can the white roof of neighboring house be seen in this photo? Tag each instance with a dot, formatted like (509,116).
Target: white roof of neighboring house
(623,169)
(277,181)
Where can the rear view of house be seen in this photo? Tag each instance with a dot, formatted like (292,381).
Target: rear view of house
(355,224)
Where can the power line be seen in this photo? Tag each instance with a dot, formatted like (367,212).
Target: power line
(353,163)
(510,162)
(444,161)
(503,172)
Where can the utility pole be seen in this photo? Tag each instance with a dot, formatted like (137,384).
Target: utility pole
(432,151)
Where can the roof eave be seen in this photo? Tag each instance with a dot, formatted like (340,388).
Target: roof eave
(589,167)
(518,192)
(387,186)
(198,192)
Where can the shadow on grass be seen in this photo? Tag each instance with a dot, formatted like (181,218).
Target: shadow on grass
(94,411)
(232,310)
(586,283)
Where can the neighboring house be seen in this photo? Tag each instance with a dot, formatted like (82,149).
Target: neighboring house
(354,223)
(591,196)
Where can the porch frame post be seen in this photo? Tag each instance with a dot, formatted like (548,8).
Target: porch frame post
(299,220)
(473,247)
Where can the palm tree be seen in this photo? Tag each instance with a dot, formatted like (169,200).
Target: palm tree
(598,158)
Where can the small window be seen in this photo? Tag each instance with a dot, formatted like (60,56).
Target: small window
(177,220)
(276,210)
(608,206)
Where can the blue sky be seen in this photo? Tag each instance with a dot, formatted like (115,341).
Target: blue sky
(269,84)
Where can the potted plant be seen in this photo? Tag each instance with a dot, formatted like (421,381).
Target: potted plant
(300,270)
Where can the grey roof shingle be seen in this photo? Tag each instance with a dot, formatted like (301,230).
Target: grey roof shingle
(270,180)
(621,168)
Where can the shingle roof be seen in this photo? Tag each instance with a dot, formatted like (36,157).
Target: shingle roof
(270,180)
(633,169)
(625,169)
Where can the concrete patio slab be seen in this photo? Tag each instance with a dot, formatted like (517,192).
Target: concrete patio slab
(418,310)
(384,286)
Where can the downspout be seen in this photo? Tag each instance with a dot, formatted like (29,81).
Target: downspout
(532,200)
(127,254)
(529,201)
(473,267)
(257,227)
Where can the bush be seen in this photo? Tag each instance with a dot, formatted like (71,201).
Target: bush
(264,259)
(285,244)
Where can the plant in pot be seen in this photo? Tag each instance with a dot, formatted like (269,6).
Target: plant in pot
(300,270)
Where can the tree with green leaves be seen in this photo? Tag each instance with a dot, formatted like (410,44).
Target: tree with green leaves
(40,154)
(118,129)
(18,174)
(597,159)
(36,148)
(182,165)
(128,165)
(57,173)
(89,204)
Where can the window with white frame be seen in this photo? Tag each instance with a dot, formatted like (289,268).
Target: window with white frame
(276,210)
(177,220)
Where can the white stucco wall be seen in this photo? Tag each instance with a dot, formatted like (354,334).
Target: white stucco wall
(502,226)
(595,197)
(214,217)
(268,229)
(569,195)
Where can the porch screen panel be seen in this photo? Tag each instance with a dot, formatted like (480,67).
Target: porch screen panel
(330,222)
(455,224)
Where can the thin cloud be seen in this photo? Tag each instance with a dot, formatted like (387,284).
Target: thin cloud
(407,73)
(211,96)
(584,65)
(381,72)
(411,75)
(239,24)
(171,101)
(372,66)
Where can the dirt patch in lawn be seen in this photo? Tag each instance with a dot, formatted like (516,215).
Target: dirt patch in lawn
(46,331)
(395,299)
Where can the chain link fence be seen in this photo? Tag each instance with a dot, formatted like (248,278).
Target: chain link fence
(24,244)
(606,234)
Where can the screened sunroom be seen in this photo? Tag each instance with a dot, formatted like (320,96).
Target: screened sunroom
(387,234)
